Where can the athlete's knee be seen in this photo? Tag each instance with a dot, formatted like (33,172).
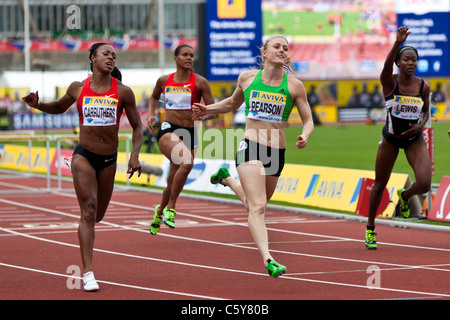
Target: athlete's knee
(378,186)
(88,215)
(257,209)
(185,167)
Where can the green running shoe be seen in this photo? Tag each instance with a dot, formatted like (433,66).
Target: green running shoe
(371,242)
(154,227)
(404,205)
(275,269)
(219,175)
(169,217)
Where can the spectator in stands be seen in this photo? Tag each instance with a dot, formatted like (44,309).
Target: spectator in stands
(260,156)
(94,159)
(313,100)
(407,105)
(354,98)
(177,137)
(376,97)
(364,97)
(438,95)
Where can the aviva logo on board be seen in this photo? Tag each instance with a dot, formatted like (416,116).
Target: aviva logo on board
(231,9)
(322,188)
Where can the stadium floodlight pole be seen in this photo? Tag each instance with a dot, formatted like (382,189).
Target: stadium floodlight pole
(161,35)
(26,27)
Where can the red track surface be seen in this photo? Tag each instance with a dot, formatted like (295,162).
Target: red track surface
(209,255)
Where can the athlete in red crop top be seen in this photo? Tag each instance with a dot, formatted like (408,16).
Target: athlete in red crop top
(180,96)
(100,100)
(99,109)
(177,136)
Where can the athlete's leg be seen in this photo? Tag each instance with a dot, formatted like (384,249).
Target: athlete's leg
(105,179)
(386,157)
(167,190)
(85,184)
(419,159)
(182,159)
(236,186)
(253,181)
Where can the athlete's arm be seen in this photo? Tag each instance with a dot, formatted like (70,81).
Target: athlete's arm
(58,106)
(129,105)
(226,105)
(386,78)
(154,100)
(205,92)
(298,93)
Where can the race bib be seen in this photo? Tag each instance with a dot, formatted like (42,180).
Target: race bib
(406,107)
(99,111)
(266,106)
(177,98)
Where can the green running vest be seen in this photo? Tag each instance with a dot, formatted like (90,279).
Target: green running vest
(267,103)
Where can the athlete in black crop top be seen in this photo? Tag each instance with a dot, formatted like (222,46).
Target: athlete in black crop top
(407,105)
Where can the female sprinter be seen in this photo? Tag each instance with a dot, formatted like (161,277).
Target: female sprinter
(100,100)
(177,137)
(269,95)
(407,104)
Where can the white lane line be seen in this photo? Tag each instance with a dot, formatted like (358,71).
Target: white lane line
(129,286)
(236,246)
(286,277)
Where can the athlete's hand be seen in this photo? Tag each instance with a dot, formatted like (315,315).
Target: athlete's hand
(199,111)
(151,120)
(402,34)
(414,130)
(301,142)
(134,165)
(32,99)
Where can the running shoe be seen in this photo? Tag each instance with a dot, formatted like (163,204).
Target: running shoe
(371,242)
(275,269)
(404,205)
(219,175)
(169,217)
(156,223)
(89,282)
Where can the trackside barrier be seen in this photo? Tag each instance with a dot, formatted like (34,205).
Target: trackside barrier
(30,138)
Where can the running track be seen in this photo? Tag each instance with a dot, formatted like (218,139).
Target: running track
(209,255)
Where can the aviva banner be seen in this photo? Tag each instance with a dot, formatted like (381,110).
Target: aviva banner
(322,187)
(17,158)
(330,188)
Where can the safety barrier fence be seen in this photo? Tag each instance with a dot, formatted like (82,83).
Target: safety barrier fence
(30,137)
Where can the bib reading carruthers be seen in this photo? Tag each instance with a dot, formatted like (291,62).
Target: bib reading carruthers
(267,103)
(99,109)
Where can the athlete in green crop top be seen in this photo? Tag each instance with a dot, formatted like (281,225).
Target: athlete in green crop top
(270,95)
(268,103)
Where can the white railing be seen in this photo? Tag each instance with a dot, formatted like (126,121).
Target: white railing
(30,137)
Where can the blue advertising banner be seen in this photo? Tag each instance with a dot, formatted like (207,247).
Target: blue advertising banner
(429,24)
(233,37)
(33,121)
(430,36)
